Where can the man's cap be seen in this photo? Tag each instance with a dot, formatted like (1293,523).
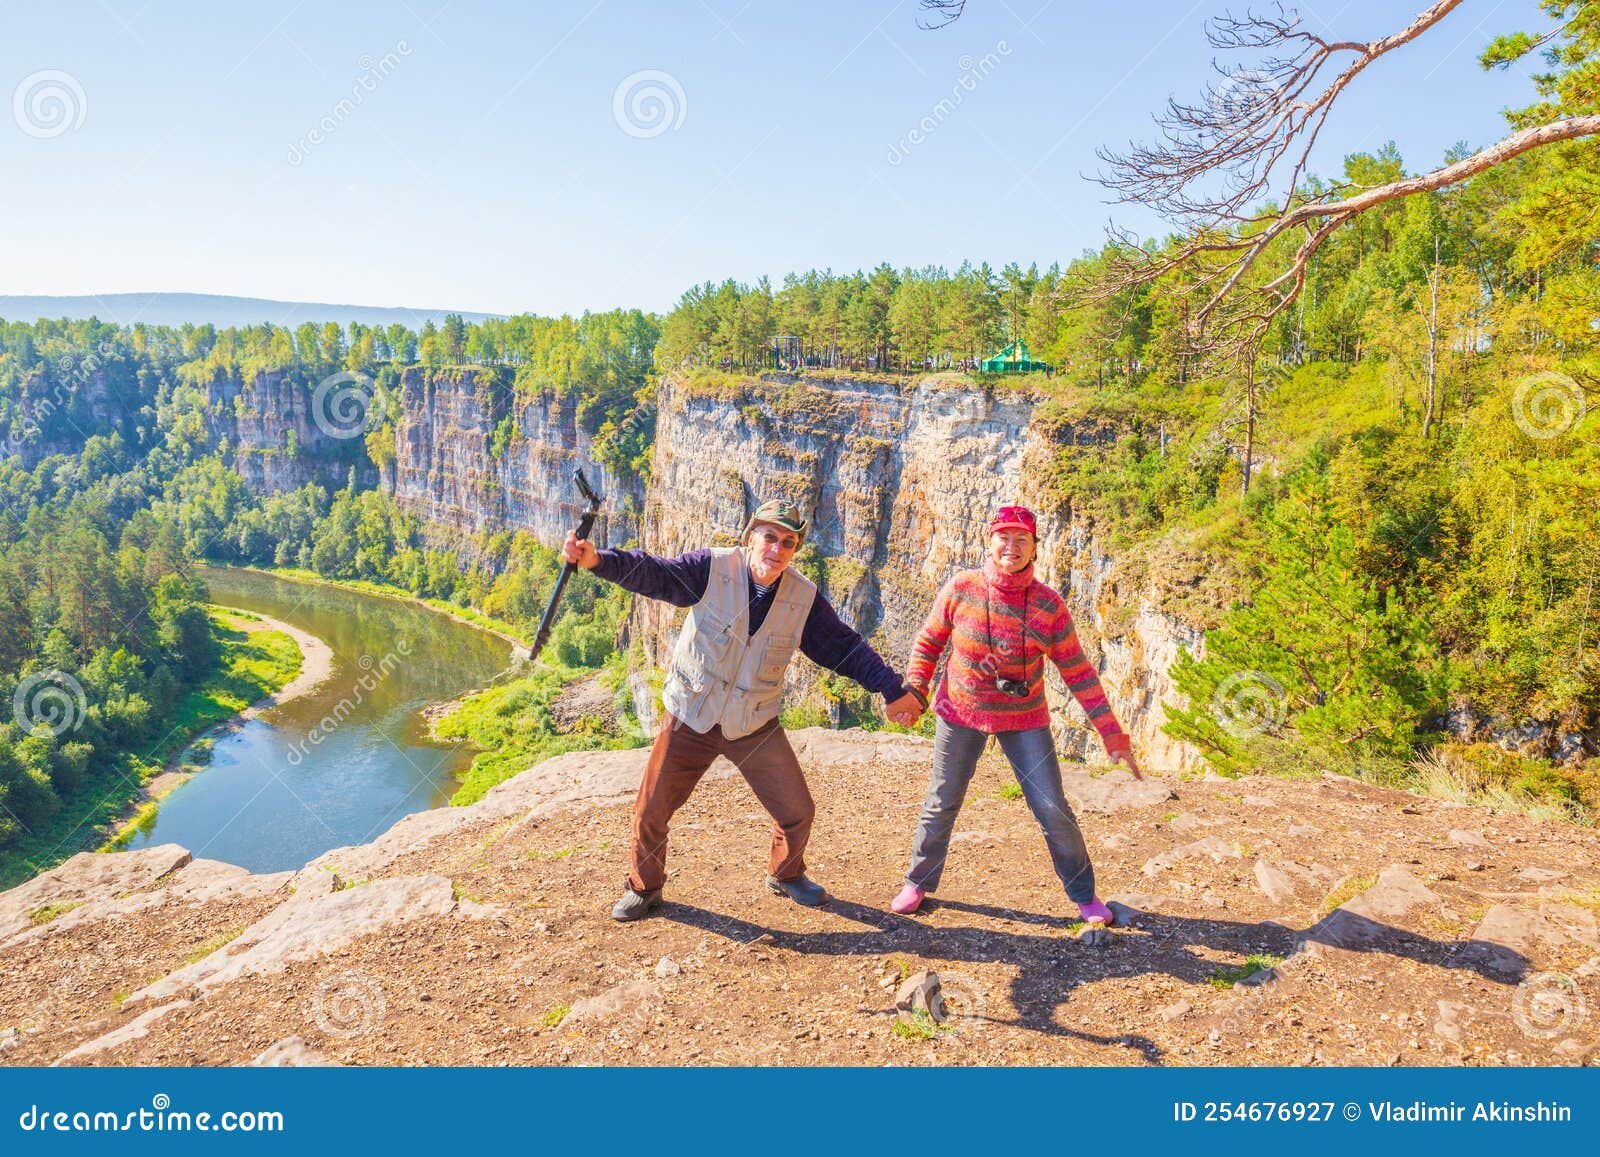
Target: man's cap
(779,512)
(1014,518)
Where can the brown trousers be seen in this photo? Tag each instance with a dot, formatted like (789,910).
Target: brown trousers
(681,756)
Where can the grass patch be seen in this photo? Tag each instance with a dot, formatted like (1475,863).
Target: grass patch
(561,854)
(1254,963)
(48,912)
(1345,891)
(919,1026)
(211,946)
(555,1014)
(1009,791)
(513,729)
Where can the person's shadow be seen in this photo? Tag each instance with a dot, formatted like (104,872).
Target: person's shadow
(1051,967)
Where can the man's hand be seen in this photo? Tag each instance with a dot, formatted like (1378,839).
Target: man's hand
(580,552)
(1126,757)
(905,710)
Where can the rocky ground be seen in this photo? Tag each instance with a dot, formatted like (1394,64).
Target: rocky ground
(1411,931)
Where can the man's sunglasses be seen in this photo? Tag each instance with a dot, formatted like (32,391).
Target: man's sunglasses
(787,541)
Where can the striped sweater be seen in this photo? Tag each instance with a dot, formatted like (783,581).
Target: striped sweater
(979,615)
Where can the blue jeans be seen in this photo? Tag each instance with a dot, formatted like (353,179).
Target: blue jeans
(1033,758)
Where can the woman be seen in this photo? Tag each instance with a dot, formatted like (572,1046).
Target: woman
(1005,625)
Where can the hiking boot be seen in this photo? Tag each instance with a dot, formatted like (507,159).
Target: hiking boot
(908,901)
(635,905)
(800,890)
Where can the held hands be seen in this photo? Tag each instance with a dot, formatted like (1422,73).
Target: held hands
(905,710)
(580,552)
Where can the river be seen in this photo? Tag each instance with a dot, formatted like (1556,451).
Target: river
(342,763)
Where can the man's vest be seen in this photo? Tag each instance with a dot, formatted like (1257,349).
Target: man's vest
(721,673)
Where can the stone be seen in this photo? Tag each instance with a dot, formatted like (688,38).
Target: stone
(87,877)
(1259,801)
(1186,823)
(135,1029)
(667,966)
(1366,919)
(629,994)
(1114,791)
(1462,838)
(1093,935)
(1175,1010)
(305,928)
(1215,848)
(919,992)
(292,1052)
(1509,940)
(1275,882)
(1541,875)
(1453,1016)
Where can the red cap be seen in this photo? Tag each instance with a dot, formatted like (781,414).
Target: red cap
(1014,518)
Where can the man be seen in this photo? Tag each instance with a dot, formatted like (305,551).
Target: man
(724,688)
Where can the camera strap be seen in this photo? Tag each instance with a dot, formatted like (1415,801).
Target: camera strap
(988,627)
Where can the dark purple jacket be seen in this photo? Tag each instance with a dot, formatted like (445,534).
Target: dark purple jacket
(825,639)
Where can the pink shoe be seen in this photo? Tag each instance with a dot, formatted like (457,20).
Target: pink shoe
(908,901)
(1095,912)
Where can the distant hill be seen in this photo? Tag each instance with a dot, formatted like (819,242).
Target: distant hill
(219,310)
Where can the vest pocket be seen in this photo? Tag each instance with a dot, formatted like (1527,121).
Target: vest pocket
(775,659)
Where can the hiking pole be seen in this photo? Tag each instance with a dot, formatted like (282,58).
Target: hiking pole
(585,525)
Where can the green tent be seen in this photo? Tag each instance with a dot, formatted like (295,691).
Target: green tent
(1014,359)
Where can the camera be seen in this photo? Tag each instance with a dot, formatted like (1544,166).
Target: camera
(1016,688)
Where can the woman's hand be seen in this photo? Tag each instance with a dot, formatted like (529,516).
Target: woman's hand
(1125,756)
(580,552)
(905,710)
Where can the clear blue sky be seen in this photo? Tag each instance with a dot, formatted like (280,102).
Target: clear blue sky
(486,169)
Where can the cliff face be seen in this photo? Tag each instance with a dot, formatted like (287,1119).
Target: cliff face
(452,470)
(275,441)
(56,415)
(902,480)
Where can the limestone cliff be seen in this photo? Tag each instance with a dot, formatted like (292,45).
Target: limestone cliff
(275,442)
(473,457)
